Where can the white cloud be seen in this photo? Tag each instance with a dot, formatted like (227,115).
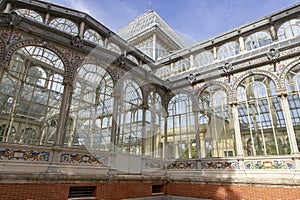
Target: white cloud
(81,5)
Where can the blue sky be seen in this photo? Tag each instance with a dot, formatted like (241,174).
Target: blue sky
(195,19)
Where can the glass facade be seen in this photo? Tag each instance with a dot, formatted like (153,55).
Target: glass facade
(101,106)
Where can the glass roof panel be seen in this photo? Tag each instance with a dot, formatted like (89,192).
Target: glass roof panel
(145,22)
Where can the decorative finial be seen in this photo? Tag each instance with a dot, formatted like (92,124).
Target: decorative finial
(149,6)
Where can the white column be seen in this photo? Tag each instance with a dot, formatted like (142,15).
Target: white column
(289,124)
(47,19)
(165,116)
(63,112)
(81,30)
(192,62)
(145,107)
(273,33)
(237,131)
(242,44)
(114,122)
(215,53)
(198,147)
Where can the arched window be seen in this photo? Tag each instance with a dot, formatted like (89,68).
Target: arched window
(289,29)
(181,66)
(215,122)
(93,36)
(181,128)
(261,118)
(292,81)
(129,134)
(228,50)
(26,98)
(7,132)
(30,14)
(91,109)
(203,58)
(163,72)
(133,59)
(64,25)
(154,126)
(29,136)
(114,48)
(257,40)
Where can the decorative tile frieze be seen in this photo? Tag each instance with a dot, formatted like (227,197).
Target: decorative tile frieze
(215,165)
(24,155)
(77,158)
(270,164)
(182,165)
(154,164)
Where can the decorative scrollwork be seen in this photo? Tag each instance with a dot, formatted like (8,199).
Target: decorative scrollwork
(273,54)
(149,76)
(121,60)
(13,19)
(191,79)
(227,68)
(168,84)
(76,41)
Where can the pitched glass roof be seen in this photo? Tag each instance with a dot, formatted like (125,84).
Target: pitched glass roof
(146,21)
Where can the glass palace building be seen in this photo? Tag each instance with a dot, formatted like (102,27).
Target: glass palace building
(87,113)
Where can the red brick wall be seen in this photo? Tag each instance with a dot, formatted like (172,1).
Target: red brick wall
(117,191)
(33,191)
(229,192)
(105,191)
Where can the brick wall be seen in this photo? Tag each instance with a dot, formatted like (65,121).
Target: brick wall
(229,192)
(116,191)
(105,191)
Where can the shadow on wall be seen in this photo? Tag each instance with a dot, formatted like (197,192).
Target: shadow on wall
(165,198)
(203,190)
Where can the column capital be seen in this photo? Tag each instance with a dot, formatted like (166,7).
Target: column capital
(282,93)
(144,107)
(68,81)
(165,114)
(233,103)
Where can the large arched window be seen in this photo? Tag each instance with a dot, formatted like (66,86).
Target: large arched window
(261,118)
(292,81)
(215,124)
(129,134)
(181,128)
(289,29)
(154,126)
(257,40)
(91,109)
(27,98)
(228,50)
